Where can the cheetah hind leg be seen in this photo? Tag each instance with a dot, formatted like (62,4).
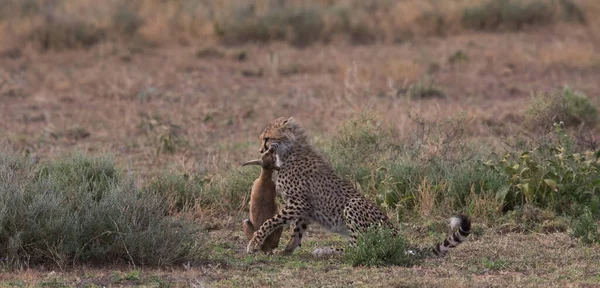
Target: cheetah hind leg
(358,208)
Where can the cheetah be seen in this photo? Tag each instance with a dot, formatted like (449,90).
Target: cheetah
(313,192)
(263,204)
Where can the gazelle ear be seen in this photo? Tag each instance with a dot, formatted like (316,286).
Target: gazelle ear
(289,121)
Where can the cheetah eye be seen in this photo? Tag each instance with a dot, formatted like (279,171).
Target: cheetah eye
(267,139)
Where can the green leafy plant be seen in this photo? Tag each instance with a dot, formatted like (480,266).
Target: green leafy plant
(550,176)
(586,228)
(424,89)
(82,210)
(377,246)
(568,106)
(491,264)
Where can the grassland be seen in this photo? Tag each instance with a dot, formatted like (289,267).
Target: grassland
(149,108)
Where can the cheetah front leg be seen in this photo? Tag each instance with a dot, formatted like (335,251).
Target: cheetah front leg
(296,241)
(285,216)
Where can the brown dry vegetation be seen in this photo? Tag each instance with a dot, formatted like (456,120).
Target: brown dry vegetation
(210,110)
(177,86)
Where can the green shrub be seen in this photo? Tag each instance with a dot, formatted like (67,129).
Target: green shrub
(398,184)
(299,26)
(61,33)
(436,171)
(181,192)
(210,52)
(231,191)
(571,12)
(509,15)
(364,151)
(11,9)
(80,210)
(579,108)
(126,20)
(550,176)
(586,228)
(454,184)
(377,246)
(458,56)
(530,218)
(571,107)
(424,90)
(78,175)
(357,147)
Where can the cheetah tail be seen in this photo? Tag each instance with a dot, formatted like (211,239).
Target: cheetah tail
(460,235)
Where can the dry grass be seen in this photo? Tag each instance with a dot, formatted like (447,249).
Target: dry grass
(173,100)
(483,205)
(206,111)
(426,197)
(490,259)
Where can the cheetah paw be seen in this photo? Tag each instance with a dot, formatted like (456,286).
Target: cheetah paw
(252,247)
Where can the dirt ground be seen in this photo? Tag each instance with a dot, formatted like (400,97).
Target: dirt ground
(200,103)
(202,106)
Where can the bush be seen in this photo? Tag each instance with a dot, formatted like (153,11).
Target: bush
(509,15)
(377,246)
(428,187)
(432,168)
(571,12)
(64,33)
(551,176)
(358,146)
(80,175)
(62,24)
(529,218)
(181,191)
(579,108)
(424,90)
(80,210)
(571,107)
(436,172)
(586,228)
(299,26)
(126,21)
(231,191)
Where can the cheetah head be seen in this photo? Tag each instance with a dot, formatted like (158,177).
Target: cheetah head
(283,131)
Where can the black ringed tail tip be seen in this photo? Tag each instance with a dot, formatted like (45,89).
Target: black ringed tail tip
(465,224)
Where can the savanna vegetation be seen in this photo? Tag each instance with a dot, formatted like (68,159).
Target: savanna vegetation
(123,125)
